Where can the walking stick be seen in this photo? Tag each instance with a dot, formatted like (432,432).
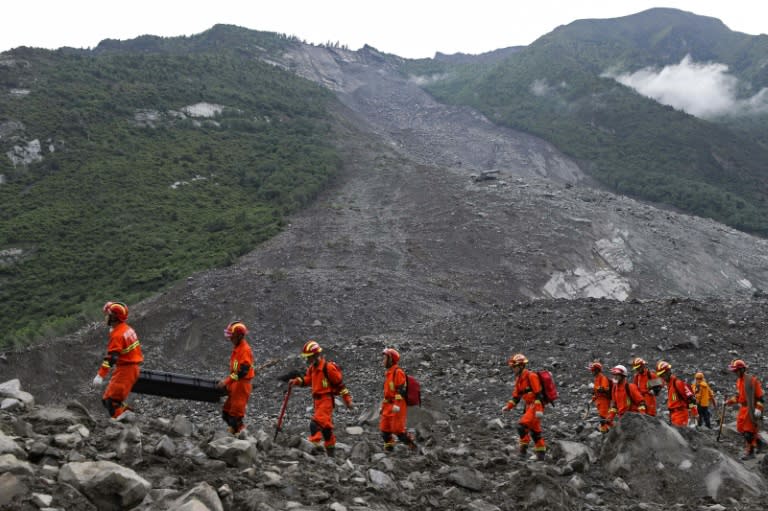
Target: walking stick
(586,411)
(722,420)
(279,425)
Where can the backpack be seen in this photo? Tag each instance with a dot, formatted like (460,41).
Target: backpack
(548,387)
(336,388)
(412,393)
(686,387)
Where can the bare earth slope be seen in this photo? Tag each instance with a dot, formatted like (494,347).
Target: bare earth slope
(408,249)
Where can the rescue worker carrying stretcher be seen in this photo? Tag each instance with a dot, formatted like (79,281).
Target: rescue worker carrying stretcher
(625,396)
(326,380)
(394,409)
(124,354)
(238,381)
(528,388)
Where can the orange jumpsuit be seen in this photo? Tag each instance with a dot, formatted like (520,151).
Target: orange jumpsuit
(321,425)
(393,422)
(601,396)
(679,399)
(744,424)
(642,380)
(238,385)
(626,397)
(528,388)
(124,353)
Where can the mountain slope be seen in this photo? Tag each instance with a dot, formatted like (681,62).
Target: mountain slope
(557,88)
(129,169)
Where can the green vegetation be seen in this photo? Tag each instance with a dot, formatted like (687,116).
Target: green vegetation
(119,208)
(554,89)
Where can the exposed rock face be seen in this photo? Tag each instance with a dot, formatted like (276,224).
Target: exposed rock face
(31,152)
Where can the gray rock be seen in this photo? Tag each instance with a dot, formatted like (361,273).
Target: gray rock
(235,452)
(11,464)
(165,447)
(108,485)
(202,497)
(11,487)
(380,480)
(467,478)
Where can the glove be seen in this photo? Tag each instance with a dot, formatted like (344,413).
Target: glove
(295,381)
(693,423)
(732,401)
(758,413)
(539,414)
(395,409)
(348,401)
(98,381)
(507,407)
(642,409)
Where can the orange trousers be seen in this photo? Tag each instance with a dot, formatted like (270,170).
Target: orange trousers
(603,404)
(743,423)
(392,422)
(679,417)
(529,426)
(120,384)
(321,425)
(238,393)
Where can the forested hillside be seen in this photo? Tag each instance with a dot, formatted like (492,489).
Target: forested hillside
(156,158)
(559,88)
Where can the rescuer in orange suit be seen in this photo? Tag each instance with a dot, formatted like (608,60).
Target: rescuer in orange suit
(647,383)
(394,409)
(326,380)
(625,396)
(528,389)
(601,395)
(680,398)
(124,354)
(238,381)
(750,398)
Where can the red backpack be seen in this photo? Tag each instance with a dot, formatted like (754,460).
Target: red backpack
(548,387)
(411,391)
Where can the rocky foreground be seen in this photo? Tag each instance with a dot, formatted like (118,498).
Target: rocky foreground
(65,457)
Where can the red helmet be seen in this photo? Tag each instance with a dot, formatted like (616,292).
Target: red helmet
(310,348)
(662,367)
(619,370)
(236,327)
(595,366)
(117,309)
(393,354)
(737,364)
(637,363)
(517,360)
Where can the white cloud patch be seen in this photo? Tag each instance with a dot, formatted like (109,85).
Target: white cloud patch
(540,87)
(705,90)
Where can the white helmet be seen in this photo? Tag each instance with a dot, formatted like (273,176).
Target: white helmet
(619,370)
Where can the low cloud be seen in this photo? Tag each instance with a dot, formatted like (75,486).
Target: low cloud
(703,90)
(540,87)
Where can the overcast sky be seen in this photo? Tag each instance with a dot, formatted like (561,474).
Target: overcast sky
(411,28)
